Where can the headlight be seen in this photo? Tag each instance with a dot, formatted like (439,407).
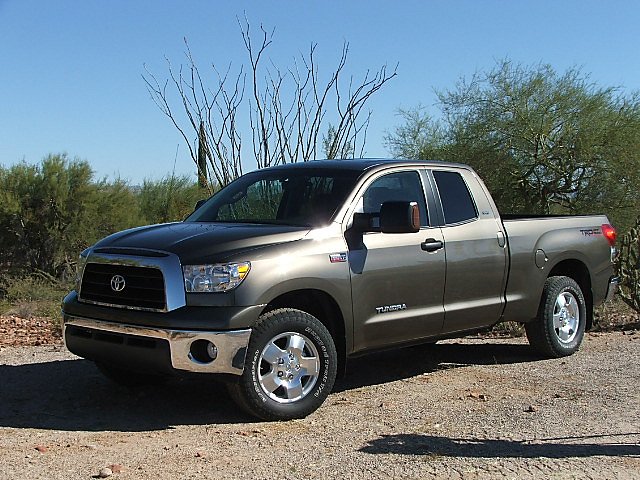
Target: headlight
(214,278)
(82,261)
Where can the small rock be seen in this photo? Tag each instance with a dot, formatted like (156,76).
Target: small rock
(105,472)
(531,409)
(199,454)
(42,448)
(116,468)
(477,395)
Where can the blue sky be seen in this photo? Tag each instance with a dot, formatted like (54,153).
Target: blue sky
(70,71)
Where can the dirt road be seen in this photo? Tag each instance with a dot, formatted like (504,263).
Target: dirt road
(460,409)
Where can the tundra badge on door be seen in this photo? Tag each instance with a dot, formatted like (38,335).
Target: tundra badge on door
(391,308)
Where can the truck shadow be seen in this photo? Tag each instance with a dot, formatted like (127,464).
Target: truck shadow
(616,445)
(73,395)
(408,362)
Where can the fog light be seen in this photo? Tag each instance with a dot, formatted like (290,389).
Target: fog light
(203,351)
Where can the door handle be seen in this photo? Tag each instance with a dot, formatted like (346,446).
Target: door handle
(431,245)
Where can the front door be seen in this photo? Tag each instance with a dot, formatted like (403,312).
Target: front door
(397,280)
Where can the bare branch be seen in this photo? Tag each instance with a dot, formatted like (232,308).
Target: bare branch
(287,111)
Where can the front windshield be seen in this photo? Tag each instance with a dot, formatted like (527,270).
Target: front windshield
(301,197)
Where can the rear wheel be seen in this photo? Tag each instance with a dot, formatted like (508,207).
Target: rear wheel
(559,329)
(290,369)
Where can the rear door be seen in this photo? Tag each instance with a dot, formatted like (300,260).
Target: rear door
(397,284)
(475,251)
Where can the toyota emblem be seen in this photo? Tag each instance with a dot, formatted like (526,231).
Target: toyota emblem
(117,283)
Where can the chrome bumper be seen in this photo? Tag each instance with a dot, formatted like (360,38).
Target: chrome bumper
(231,345)
(612,288)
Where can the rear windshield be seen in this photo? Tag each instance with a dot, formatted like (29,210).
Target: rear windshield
(300,197)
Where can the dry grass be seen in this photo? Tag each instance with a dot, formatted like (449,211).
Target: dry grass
(32,297)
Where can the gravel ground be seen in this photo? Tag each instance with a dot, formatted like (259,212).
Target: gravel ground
(471,408)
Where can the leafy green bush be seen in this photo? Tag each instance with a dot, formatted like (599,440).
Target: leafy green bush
(169,199)
(52,211)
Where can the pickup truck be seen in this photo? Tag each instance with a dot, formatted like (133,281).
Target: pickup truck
(277,279)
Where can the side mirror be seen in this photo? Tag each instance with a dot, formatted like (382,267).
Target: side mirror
(399,217)
(363,222)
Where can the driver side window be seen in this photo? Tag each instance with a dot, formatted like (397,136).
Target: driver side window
(396,187)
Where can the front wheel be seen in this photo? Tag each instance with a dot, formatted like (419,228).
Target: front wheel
(559,329)
(290,368)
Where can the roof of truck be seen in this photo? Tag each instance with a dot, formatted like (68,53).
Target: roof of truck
(362,164)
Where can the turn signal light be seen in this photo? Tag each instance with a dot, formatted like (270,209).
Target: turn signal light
(610,233)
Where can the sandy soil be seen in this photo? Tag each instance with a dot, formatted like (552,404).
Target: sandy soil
(471,408)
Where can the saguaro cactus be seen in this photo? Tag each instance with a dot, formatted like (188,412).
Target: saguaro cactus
(628,266)
(203,152)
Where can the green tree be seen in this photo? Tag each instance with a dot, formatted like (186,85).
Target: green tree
(544,142)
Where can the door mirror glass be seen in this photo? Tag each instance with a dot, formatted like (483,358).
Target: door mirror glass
(399,217)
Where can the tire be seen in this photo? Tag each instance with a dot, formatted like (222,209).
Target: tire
(559,328)
(290,368)
(127,378)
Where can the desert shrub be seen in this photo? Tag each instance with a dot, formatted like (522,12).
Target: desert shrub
(32,295)
(169,199)
(51,211)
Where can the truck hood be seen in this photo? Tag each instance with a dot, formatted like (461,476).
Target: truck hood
(195,242)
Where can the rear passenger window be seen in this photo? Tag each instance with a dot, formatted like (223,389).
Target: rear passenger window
(456,200)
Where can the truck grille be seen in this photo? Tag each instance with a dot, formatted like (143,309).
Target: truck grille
(143,286)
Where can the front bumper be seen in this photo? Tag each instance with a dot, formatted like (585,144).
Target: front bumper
(158,350)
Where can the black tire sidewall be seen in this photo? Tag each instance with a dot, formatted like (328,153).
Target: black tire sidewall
(274,324)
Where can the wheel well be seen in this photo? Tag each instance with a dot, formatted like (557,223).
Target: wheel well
(579,272)
(322,306)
